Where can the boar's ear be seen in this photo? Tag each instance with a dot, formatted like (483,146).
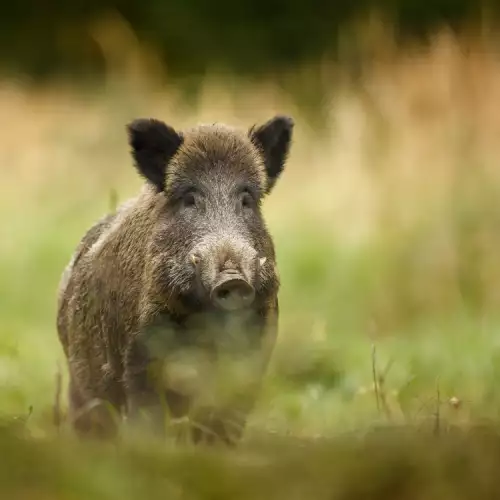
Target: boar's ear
(273,138)
(153,145)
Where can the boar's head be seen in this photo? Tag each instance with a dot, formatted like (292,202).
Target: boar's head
(215,251)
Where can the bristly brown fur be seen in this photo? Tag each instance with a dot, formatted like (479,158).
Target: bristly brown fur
(131,297)
(215,145)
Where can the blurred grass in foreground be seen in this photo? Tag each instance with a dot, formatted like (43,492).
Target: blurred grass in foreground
(387,230)
(382,464)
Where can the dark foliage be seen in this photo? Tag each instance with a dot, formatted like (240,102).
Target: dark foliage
(191,35)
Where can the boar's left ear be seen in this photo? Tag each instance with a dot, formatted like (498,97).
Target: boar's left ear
(153,145)
(273,138)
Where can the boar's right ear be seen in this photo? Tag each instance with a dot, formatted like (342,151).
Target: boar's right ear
(153,145)
(273,139)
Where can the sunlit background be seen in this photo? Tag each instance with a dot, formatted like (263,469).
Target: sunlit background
(386,224)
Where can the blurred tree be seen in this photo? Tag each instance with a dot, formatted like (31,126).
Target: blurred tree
(247,36)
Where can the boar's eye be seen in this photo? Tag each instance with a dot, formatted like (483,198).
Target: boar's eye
(188,200)
(246,200)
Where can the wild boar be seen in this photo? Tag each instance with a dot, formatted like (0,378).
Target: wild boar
(170,304)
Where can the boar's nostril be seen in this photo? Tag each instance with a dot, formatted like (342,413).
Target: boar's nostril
(232,294)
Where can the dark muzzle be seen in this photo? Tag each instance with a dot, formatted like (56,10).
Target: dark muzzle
(232,292)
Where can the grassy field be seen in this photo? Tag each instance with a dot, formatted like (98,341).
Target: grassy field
(387,228)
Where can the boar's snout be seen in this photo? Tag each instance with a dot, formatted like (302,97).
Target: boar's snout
(227,269)
(232,292)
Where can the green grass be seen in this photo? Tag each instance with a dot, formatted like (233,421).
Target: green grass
(413,300)
(321,378)
(320,384)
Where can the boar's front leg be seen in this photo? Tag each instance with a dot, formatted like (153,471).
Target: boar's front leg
(90,417)
(227,425)
(94,410)
(145,401)
(149,401)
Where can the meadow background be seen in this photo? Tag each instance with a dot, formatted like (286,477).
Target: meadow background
(386,224)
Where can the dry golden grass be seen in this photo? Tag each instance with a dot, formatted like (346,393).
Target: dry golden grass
(419,124)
